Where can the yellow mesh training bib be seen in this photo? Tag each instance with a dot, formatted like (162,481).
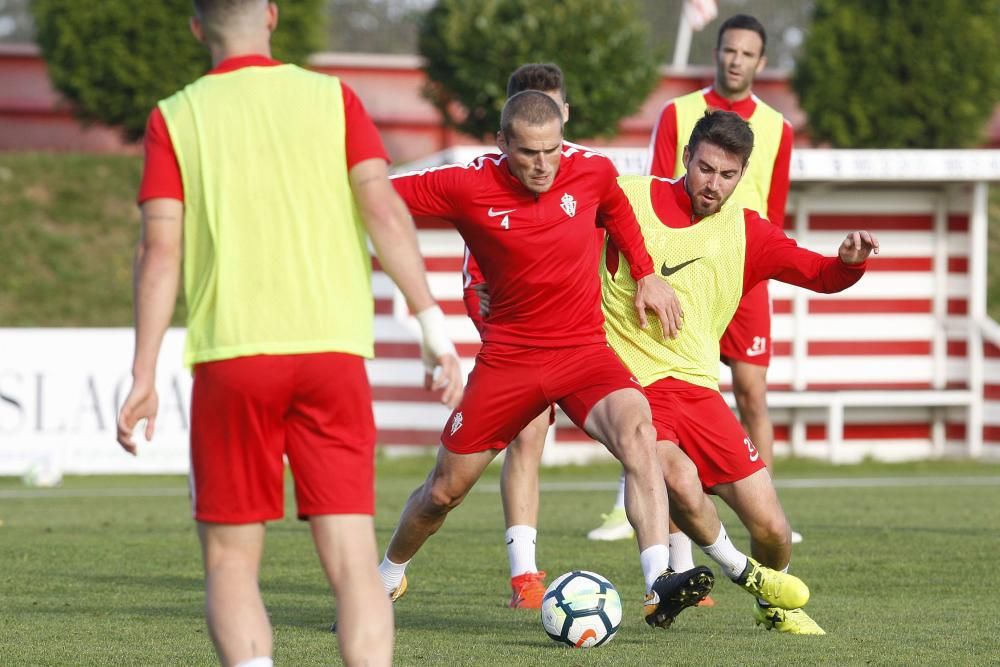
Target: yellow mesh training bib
(275,255)
(766,123)
(705,267)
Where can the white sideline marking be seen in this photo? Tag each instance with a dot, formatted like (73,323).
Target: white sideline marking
(808,483)
(121,492)
(551,487)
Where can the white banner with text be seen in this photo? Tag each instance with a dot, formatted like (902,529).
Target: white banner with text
(59,395)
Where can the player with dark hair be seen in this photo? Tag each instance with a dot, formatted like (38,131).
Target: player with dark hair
(528,215)
(267,179)
(715,250)
(545,77)
(746,343)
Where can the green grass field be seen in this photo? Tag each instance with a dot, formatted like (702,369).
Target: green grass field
(105,571)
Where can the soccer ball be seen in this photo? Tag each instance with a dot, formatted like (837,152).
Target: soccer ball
(581,609)
(42,473)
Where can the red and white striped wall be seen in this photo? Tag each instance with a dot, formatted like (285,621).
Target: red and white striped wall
(916,321)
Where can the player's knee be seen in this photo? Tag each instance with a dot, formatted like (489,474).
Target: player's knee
(642,438)
(638,442)
(676,466)
(751,398)
(685,493)
(645,434)
(774,531)
(440,499)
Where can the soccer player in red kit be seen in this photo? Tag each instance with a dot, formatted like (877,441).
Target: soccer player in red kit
(715,251)
(519,475)
(528,215)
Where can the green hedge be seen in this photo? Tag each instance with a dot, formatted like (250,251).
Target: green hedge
(900,74)
(114,59)
(472,46)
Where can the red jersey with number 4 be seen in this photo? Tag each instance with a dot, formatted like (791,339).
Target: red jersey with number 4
(537,252)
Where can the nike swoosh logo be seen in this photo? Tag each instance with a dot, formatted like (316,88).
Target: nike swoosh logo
(510,541)
(671,270)
(495,214)
(754,353)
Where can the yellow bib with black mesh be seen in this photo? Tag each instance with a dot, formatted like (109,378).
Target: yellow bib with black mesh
(704,265)
(767,125)
(275,254)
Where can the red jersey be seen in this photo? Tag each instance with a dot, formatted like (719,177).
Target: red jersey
(769,251)
(537,252)
(161,175)
(663,149)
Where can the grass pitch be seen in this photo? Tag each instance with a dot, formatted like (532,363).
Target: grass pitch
(900,560)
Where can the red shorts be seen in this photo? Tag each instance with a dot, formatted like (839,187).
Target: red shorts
(511,384)
(473,308)
(748,336)
(698,420)
(248,413)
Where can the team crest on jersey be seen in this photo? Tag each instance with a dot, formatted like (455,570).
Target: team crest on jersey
(456,422)
(568,204)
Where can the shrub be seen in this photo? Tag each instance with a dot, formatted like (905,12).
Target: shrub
(114,59)
(898,74)
(472,46)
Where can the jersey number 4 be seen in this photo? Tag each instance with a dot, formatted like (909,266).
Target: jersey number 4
(505,223)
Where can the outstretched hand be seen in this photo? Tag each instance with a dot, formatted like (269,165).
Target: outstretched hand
(655,294)
(857,247)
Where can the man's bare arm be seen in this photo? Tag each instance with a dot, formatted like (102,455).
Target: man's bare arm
(157,272)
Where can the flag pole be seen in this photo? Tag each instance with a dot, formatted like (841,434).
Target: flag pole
(682,47)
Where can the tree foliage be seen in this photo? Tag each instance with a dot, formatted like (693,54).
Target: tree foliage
(114,59)
(472,46)
(900,74)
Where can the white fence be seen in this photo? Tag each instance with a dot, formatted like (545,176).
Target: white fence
(905,364)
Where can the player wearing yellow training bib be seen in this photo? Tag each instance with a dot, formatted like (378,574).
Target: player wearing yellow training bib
(268,180)
(713,251)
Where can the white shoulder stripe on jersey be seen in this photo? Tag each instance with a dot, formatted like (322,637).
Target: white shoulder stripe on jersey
(569,149)
(477,164)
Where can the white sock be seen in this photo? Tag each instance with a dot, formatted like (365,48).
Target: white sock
(391,573)
(730,559)
(256,662)
(620,498)
(681,559)
(654,561)
(521,549)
